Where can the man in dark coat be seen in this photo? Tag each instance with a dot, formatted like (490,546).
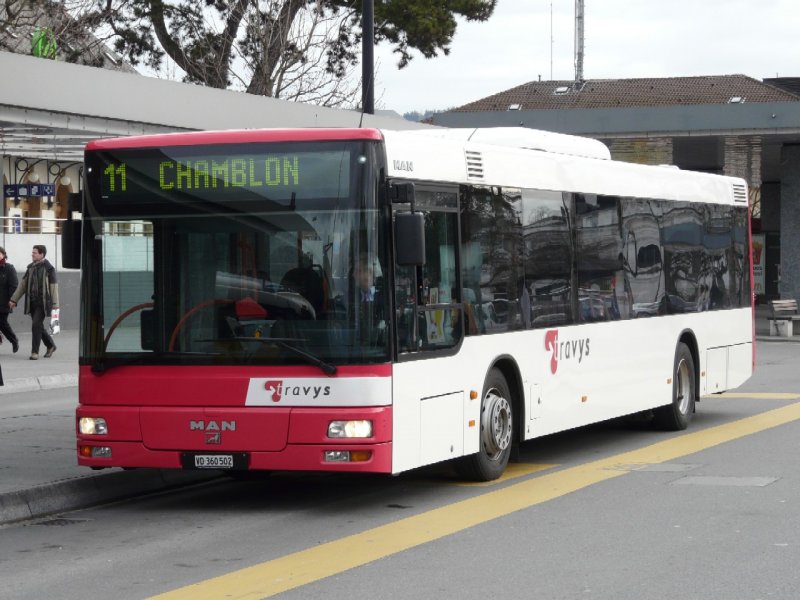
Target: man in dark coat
(40,288)
(8,285)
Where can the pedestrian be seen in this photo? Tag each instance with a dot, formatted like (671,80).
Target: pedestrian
(40,288)
(8,285)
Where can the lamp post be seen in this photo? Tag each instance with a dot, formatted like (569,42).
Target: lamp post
(367,56)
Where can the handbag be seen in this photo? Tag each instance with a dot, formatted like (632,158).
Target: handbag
(55,324)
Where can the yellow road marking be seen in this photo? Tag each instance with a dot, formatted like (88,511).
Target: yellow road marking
(307,566)
(513,471)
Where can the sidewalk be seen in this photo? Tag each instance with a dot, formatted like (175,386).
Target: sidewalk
(39,474)
(21,374)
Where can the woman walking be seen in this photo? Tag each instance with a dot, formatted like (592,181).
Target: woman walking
(8,285)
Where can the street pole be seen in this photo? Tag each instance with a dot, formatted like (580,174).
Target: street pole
(367,57)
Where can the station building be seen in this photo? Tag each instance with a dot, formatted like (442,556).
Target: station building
(729,124)
(734,125)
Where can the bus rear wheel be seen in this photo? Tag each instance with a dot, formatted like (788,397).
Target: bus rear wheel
(496,434)
(677,415)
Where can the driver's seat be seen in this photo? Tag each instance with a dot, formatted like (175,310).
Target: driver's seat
(308,282)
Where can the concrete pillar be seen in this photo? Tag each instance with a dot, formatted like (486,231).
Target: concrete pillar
(770,207)
(743,159)
(790,222)
(643,151)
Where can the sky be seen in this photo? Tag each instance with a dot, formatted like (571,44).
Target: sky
(622,38)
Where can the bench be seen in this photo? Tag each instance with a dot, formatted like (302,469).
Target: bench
(782,315)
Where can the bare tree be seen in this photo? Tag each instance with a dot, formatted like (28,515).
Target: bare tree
(304,50)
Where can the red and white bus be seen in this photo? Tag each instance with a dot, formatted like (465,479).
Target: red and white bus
(368,300)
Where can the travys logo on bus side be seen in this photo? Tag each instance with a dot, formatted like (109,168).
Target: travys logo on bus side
(276,388)
(569,349)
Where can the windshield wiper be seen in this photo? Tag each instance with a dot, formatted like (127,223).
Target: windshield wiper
(326,367)
(105,363)
(102,365)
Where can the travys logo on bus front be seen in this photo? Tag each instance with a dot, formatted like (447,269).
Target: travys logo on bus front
(277,390)
(570,349)
(319,391)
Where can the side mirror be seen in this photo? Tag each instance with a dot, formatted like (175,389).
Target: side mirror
(402,192)
(409,235)
(71,234)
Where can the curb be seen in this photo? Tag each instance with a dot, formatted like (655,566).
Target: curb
(92,490)
(42,382)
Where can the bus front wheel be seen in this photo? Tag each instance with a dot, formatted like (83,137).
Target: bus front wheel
(496,434)
(676,416)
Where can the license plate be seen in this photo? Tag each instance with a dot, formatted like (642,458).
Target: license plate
(213,461)
(235,460)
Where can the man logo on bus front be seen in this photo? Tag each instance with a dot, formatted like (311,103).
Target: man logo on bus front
(567,350)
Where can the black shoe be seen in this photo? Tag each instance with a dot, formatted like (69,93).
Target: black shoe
(15,345)
(50,351)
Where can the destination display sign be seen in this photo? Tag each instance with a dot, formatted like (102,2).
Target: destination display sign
(184,174)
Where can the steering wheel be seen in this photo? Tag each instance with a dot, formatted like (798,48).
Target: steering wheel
(185,317)
(121,318)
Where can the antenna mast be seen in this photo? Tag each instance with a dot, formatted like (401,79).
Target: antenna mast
(578,42)
(551,40)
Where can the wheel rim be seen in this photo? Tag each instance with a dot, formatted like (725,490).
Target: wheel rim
(496,424)
(683,387)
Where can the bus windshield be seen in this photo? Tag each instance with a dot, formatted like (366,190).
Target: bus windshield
(267,254)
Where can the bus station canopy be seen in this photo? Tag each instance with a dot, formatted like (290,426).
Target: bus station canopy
(50,109)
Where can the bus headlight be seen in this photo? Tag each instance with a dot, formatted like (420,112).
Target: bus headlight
(350,429)
(93,426)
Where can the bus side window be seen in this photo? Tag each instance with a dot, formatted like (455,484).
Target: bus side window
(428,297)
(441,322)
(599,257)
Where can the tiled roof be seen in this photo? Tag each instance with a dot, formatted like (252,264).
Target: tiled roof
(629,93)
(789,84)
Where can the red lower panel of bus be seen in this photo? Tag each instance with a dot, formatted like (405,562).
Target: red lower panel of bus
(258,438)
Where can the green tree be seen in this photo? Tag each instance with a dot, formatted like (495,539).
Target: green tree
(296,49)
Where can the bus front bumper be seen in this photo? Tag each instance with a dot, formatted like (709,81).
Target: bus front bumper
(296,439)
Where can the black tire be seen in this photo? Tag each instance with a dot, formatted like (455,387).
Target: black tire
(677,415)
(496,433)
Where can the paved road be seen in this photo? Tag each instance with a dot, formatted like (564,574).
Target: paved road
(616,511)
(40,476)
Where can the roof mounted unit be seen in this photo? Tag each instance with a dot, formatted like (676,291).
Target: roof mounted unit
(474,165)
(740,193)
(514,106)
(561,90)
(736,100)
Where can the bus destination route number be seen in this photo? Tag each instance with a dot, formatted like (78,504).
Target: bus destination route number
(207,174)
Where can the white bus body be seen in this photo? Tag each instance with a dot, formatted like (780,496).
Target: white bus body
(598,371)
